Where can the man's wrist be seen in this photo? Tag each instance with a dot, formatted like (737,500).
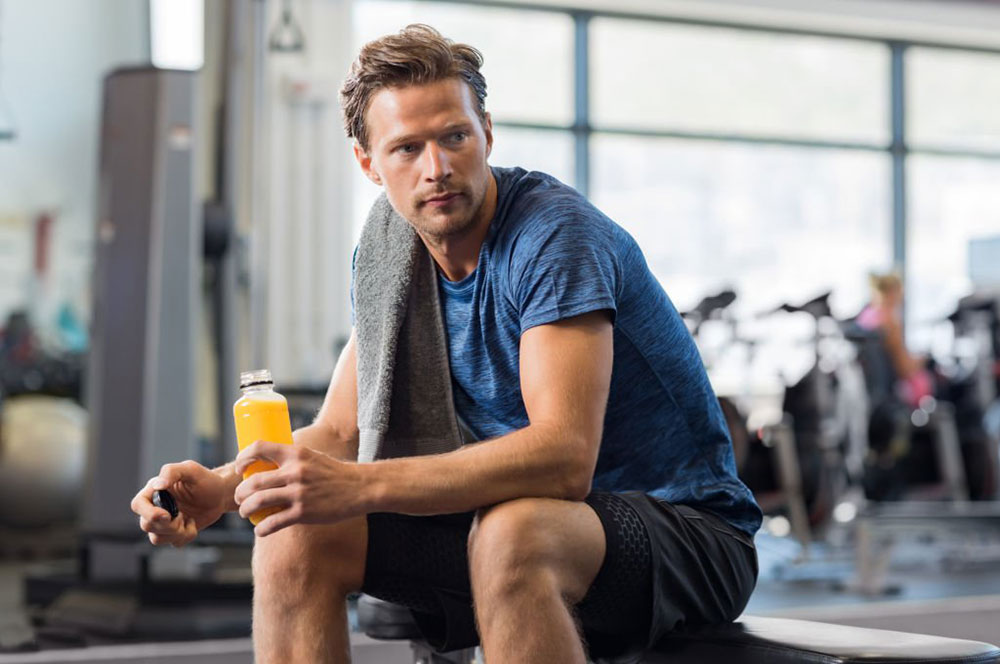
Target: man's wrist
(371,493)
(231,479)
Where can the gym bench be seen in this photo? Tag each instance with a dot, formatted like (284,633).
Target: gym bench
(750,640)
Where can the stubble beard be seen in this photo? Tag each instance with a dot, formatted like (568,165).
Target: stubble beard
(454,227)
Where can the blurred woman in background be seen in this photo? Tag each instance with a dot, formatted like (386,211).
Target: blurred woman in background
(883,315)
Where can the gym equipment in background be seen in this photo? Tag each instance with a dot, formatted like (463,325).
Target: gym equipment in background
(42,439)
(146,279)
(41,460)
(849,471)
(716,308)
(140,385)
(804,465)
(26,367)
(972,383)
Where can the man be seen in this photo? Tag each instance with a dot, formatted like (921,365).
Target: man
(602,508)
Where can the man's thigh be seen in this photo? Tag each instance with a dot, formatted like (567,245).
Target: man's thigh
(703,568)
(410,557)
(666,567)
(300,557)
(518,539)
(433,551)
(423,563)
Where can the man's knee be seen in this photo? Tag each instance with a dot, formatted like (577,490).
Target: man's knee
(301,558)
(512,548)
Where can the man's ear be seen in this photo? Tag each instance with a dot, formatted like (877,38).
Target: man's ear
(488,129)
(365,161)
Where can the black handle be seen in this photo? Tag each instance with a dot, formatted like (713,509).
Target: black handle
(165,501)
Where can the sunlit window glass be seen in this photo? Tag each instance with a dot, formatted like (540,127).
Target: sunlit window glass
(535,150)
(953,201)
(177,33)
(953,99)
(776,224)
(657,75)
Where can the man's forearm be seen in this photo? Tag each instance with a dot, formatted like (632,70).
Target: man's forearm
(537,461)
(325,439)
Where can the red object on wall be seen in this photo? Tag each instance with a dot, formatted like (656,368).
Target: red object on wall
(43,235)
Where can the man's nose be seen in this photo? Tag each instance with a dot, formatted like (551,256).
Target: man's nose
(436,164)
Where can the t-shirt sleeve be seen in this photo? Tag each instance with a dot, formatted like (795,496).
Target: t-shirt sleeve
(563,267)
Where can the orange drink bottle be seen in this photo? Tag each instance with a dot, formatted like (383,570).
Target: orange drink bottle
(260,414)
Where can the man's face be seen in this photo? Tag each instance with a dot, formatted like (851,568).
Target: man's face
(428,148)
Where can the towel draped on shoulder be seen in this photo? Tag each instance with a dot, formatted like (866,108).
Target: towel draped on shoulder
(405,405)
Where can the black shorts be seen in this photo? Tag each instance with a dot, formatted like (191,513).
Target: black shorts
(666,568)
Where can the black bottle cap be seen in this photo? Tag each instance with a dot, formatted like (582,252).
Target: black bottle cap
(165,501)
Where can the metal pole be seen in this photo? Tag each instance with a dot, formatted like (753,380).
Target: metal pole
(226,281)
(259,223)
(898,151)
(581,120)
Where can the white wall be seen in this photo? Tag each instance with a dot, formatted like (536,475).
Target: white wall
(53,56)
(294,199)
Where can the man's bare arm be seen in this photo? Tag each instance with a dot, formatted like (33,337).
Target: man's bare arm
(565,380)
(335,429)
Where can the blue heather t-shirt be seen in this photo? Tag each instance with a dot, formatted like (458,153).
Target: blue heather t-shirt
(550,254)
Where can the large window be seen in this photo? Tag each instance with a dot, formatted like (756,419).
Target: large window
(743,159)
(775,223)
(953,128)
(656,75)
(953,99)
(781,165)
(953,201)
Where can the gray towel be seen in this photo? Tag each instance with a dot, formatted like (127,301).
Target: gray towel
(405,405)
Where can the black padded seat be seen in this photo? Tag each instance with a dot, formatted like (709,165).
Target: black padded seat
(751,640)
(386,621)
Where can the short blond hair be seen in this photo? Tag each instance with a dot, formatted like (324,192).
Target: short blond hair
(416,55)
(885,283)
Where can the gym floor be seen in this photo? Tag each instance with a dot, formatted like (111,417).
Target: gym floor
(214,651)
(927,596)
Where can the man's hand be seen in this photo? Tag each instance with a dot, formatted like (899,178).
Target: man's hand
(308,486)
(201,499)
